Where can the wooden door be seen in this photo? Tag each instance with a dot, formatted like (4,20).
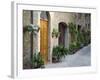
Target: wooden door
(44,39)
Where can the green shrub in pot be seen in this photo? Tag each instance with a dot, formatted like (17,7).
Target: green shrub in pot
(58,52)
(37,61)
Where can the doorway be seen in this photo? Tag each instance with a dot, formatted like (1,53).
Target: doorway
(63,32)
(44,31)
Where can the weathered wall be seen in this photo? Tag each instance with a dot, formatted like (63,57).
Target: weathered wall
(26,17)
(26,39)
(83,19)
(56,18)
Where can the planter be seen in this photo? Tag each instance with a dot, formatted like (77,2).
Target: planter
(58,53)
(55,60)
(37,61)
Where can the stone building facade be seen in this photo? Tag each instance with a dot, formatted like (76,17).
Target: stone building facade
(51,20)
(83,20)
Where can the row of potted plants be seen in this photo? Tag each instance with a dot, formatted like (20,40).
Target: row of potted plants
(60,51)
(80,39)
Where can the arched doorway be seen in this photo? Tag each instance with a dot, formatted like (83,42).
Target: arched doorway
(63,31)
(44,32)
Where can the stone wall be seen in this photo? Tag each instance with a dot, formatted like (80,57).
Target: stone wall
(83,19)
(29,19)
(26,39)
(58,17)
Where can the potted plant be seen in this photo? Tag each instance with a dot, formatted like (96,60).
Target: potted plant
(58,53)
(55,33)
(55,55)
(37,61)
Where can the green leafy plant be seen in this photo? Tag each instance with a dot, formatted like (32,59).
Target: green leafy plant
(71,48)
(58,53)
(72,28)
(79,38)
(73,31)
(29,28)
(37,61)
(55,33)
(63,51)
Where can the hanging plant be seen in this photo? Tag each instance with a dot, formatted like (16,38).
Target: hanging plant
(55,33)
(27,28)
(31,27)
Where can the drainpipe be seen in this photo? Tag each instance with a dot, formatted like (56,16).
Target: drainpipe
(31,40)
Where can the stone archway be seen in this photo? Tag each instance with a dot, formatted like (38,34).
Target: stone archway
(63,34)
